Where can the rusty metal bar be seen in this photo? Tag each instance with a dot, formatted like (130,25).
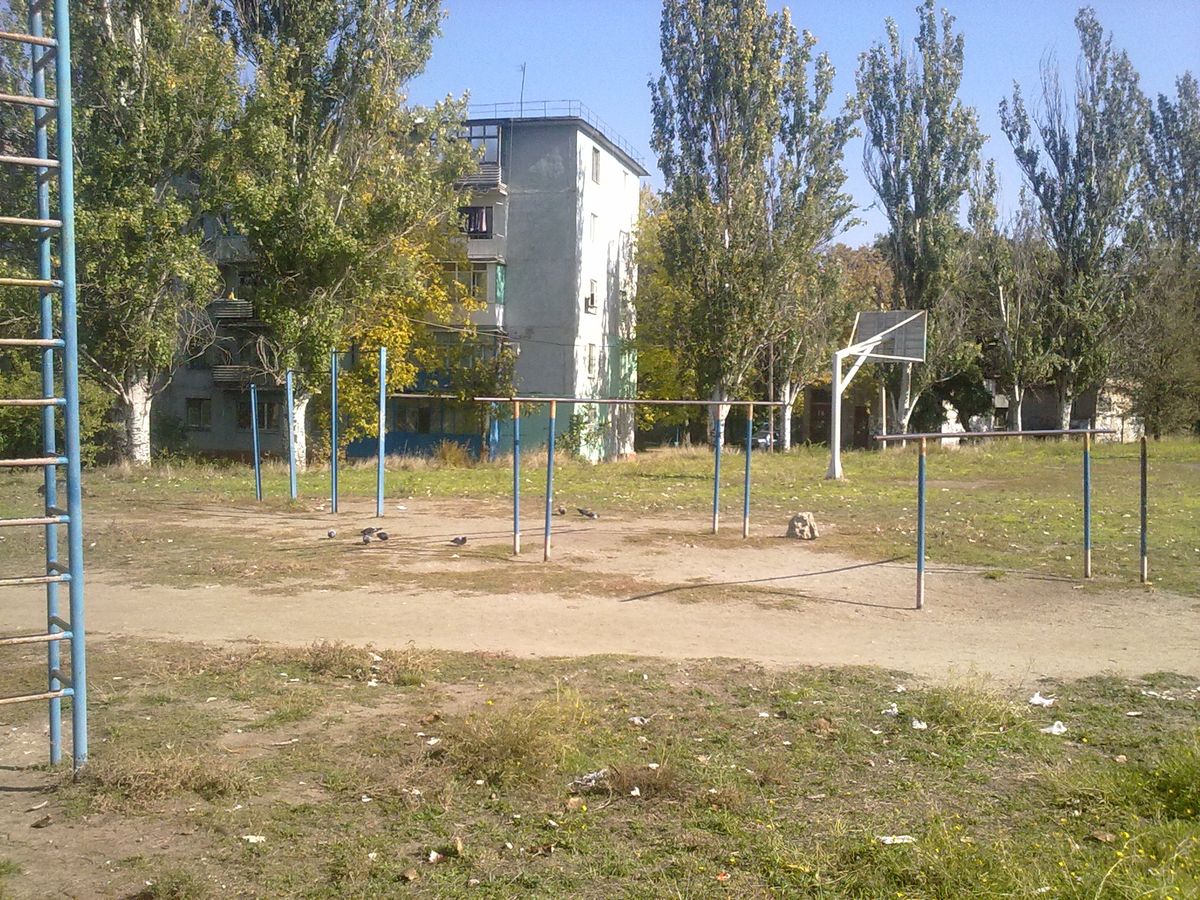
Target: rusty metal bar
(940,436)
(35,162)
(36,520)
(44,343)
(34,223)
(20,38)
(25,100)
(33,462)
(35,638)
(44,695)
(40,401)
(34,579)
(30,282)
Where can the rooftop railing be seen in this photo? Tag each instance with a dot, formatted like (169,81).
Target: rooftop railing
(553,109)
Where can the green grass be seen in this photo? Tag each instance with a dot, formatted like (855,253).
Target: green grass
(1003,507)
(741,781)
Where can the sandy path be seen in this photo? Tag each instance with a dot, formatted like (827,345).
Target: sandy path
(770,601)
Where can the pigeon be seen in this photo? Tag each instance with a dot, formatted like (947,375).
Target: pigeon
(381,535)
(458,541)
(331,533)
(368,531)
(366,539)
(588,513)
(560,511)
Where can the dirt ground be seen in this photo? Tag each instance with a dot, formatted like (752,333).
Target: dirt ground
(637,586)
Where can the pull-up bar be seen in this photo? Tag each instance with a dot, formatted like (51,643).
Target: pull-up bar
(1087,433)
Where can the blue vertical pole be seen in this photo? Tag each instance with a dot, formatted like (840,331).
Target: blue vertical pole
(746,486)
(291,426)
(921,528)
(1087,505)
(66,199)
(382,426)
(718,436)
(549,482)
(333,431)
(1145,554)
(516,478)
(49,442)
(258,494)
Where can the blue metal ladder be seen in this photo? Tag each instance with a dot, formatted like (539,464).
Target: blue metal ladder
(66,675)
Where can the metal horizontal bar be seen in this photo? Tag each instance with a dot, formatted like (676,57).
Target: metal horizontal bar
(35,638)
(26,100)
(44,695)
(33,223)
(32,161)
(50,343)
(19,38)
(34,579)
(40,401)
(33,462)
(30,282)
(36,520)
(939,435)
(614,401)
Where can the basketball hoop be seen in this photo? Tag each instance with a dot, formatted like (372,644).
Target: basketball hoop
(891,335)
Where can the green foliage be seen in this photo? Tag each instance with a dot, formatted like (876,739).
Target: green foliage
(922,146)
(1083,170)
(753,175)
(346,194)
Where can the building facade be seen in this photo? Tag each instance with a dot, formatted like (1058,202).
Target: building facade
(549,233)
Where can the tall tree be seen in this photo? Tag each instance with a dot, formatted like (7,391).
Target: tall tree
(810,210)
(742,197)
(154,87)
(1008,286)
(345,192)
(922,144)
(1082,161)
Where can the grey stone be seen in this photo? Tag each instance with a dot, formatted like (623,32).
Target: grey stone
(803,526)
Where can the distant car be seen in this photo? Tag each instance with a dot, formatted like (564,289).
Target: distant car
(763,439)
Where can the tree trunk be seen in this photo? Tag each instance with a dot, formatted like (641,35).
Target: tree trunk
(1063,400)
(300,400)
(788,395)
(718,411)
(1015,400)
(136,398)
(902,401)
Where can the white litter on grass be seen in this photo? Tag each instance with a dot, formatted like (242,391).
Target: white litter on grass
(652,766)
(896,839)
(636,792)
(254,838)
(639,720)
(1133,714)
(1057,728)
(764,715)
(918,725)
(365,798)
(372,856)
(892,710)
(1038,700)
(899,689)
(433,741)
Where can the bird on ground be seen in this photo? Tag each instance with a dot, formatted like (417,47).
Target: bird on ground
(458,541)
(560,511)
(588,513)
(368,531)
(366,539)
(381,535)
(331,533)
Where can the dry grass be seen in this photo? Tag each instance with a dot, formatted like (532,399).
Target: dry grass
(145,777)
(335,659)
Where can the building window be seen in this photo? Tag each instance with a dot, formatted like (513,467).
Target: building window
(270,414)
(484,139)
(589,302)
(501,277)
(198,413)
(476,221)
(596,164)
(593,227)
(591,360)
(479,281)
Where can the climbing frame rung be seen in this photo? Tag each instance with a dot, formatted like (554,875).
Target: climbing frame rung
(26,100)
(36,401)
(34,579)
(34,520)
(34,162)
(35,638)
(32,223)
(46,343)
(21,38)
(33,462)
(29,698)
(30,282)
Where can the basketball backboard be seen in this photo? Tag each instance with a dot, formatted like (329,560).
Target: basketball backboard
(901,334)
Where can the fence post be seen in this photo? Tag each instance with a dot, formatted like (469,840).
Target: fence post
(382,426)
(549,482)
(333,431)
(718,436)
(516,478)
(254,441)
(291,424)
(1087,505)
(746,486)
(1144,523)
(921,527)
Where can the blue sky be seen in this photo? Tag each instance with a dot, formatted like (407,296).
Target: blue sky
(603,52)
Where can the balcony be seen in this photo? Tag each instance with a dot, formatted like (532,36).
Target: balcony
(486,178)
(232,375)
(230,308)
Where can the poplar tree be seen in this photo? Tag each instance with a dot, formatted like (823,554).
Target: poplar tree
(922,144)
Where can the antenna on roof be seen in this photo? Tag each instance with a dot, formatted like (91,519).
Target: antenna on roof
(522,103)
